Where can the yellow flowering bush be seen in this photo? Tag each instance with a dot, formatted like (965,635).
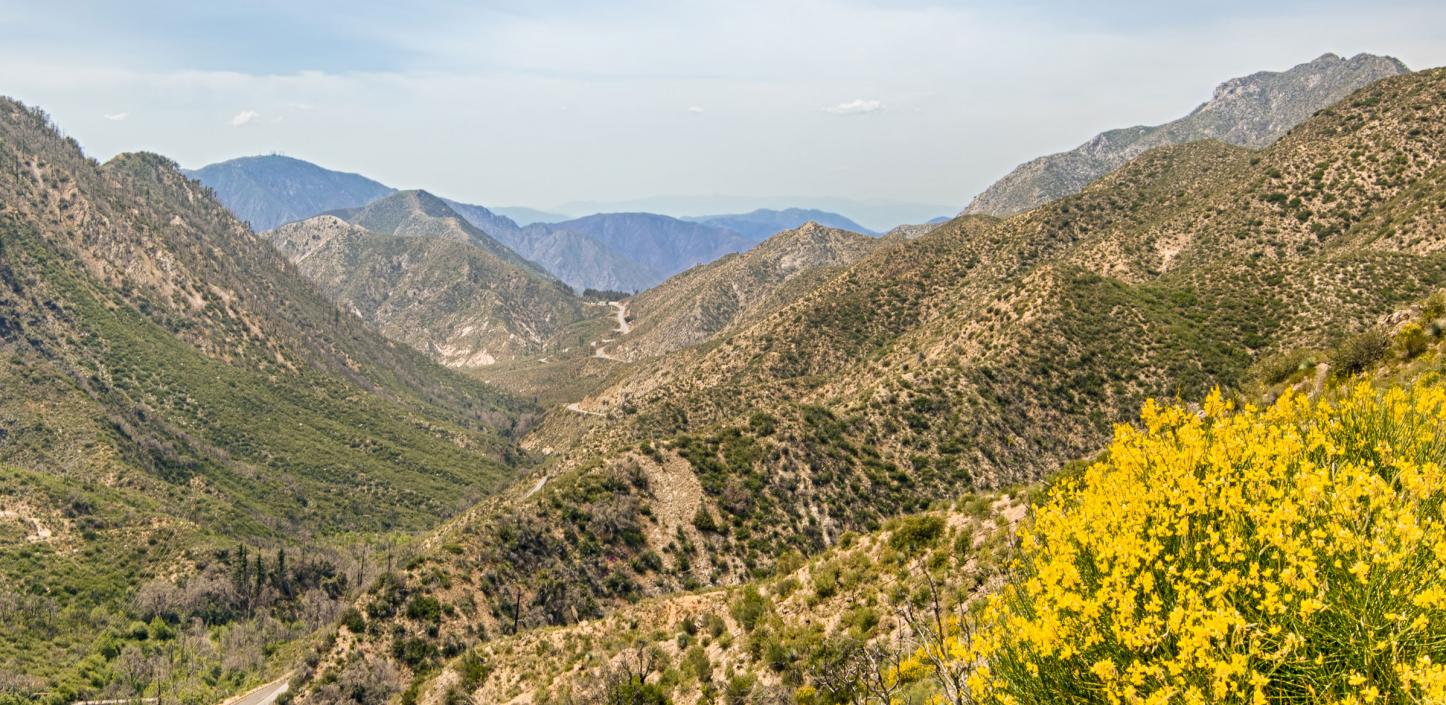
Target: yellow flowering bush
(1291,554)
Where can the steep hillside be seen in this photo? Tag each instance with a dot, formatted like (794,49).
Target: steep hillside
(984,353)
(912,231)
(813,627)
(897,615)
(173,386)
(495,224)
(420,214)
(764,222)
(579,260)
(1251,111)
(701,302)
(271,190)
(658,245)
(449,298)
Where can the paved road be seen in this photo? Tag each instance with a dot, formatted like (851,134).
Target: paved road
(266,694)
(575,407)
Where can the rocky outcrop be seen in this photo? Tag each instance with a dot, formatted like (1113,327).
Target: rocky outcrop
(1251,111)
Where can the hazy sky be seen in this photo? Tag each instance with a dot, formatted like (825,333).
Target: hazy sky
(548,101)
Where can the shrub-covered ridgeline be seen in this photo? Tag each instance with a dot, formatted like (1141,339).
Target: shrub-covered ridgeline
(1295,553)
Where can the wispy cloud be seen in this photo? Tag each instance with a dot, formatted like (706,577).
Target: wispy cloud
(117,117)
(695,109)
(858,106)
(244,117)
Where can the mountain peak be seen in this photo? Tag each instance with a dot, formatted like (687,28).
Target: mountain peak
(269,190)
(1249,111)
(425,202)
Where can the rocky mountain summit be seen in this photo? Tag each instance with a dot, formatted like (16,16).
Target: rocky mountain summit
(1250,111)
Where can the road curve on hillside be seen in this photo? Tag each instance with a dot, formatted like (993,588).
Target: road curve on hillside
(622,311)
(620,308)
(264,695)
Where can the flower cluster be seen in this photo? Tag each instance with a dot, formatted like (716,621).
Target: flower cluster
(1294,553)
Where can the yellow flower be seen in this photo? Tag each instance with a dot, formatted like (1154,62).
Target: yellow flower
(1216,554)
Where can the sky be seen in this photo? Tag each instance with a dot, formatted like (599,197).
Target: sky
(550,102)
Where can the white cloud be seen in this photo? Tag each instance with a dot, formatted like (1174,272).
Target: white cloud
(858,106)
(244,117)
(695,108)
(117,117)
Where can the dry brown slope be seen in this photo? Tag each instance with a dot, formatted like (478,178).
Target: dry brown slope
(443,295)
(702,302)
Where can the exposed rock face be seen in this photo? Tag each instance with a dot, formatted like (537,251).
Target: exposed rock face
(1250,111)
(911,231)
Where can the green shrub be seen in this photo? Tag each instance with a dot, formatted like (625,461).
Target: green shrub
(352,619)
(703,520)
(1358,352)
(1275,369)
(1412,340)
(1434,306)
(414,651)
(916,533)
(825,581)
(424,608)
(633,691)
(761,424)
(738,689)
(473,671)
(749,607)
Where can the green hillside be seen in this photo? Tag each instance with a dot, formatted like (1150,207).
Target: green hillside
(173,388)
(986,353)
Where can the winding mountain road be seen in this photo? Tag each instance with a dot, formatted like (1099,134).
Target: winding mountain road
(620,309)
(264,695)
(576,407)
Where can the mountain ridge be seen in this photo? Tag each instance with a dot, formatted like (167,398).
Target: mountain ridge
(766,222)
(267,191)
(175,388)
(701,302)
(1250,111)
(424,275)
